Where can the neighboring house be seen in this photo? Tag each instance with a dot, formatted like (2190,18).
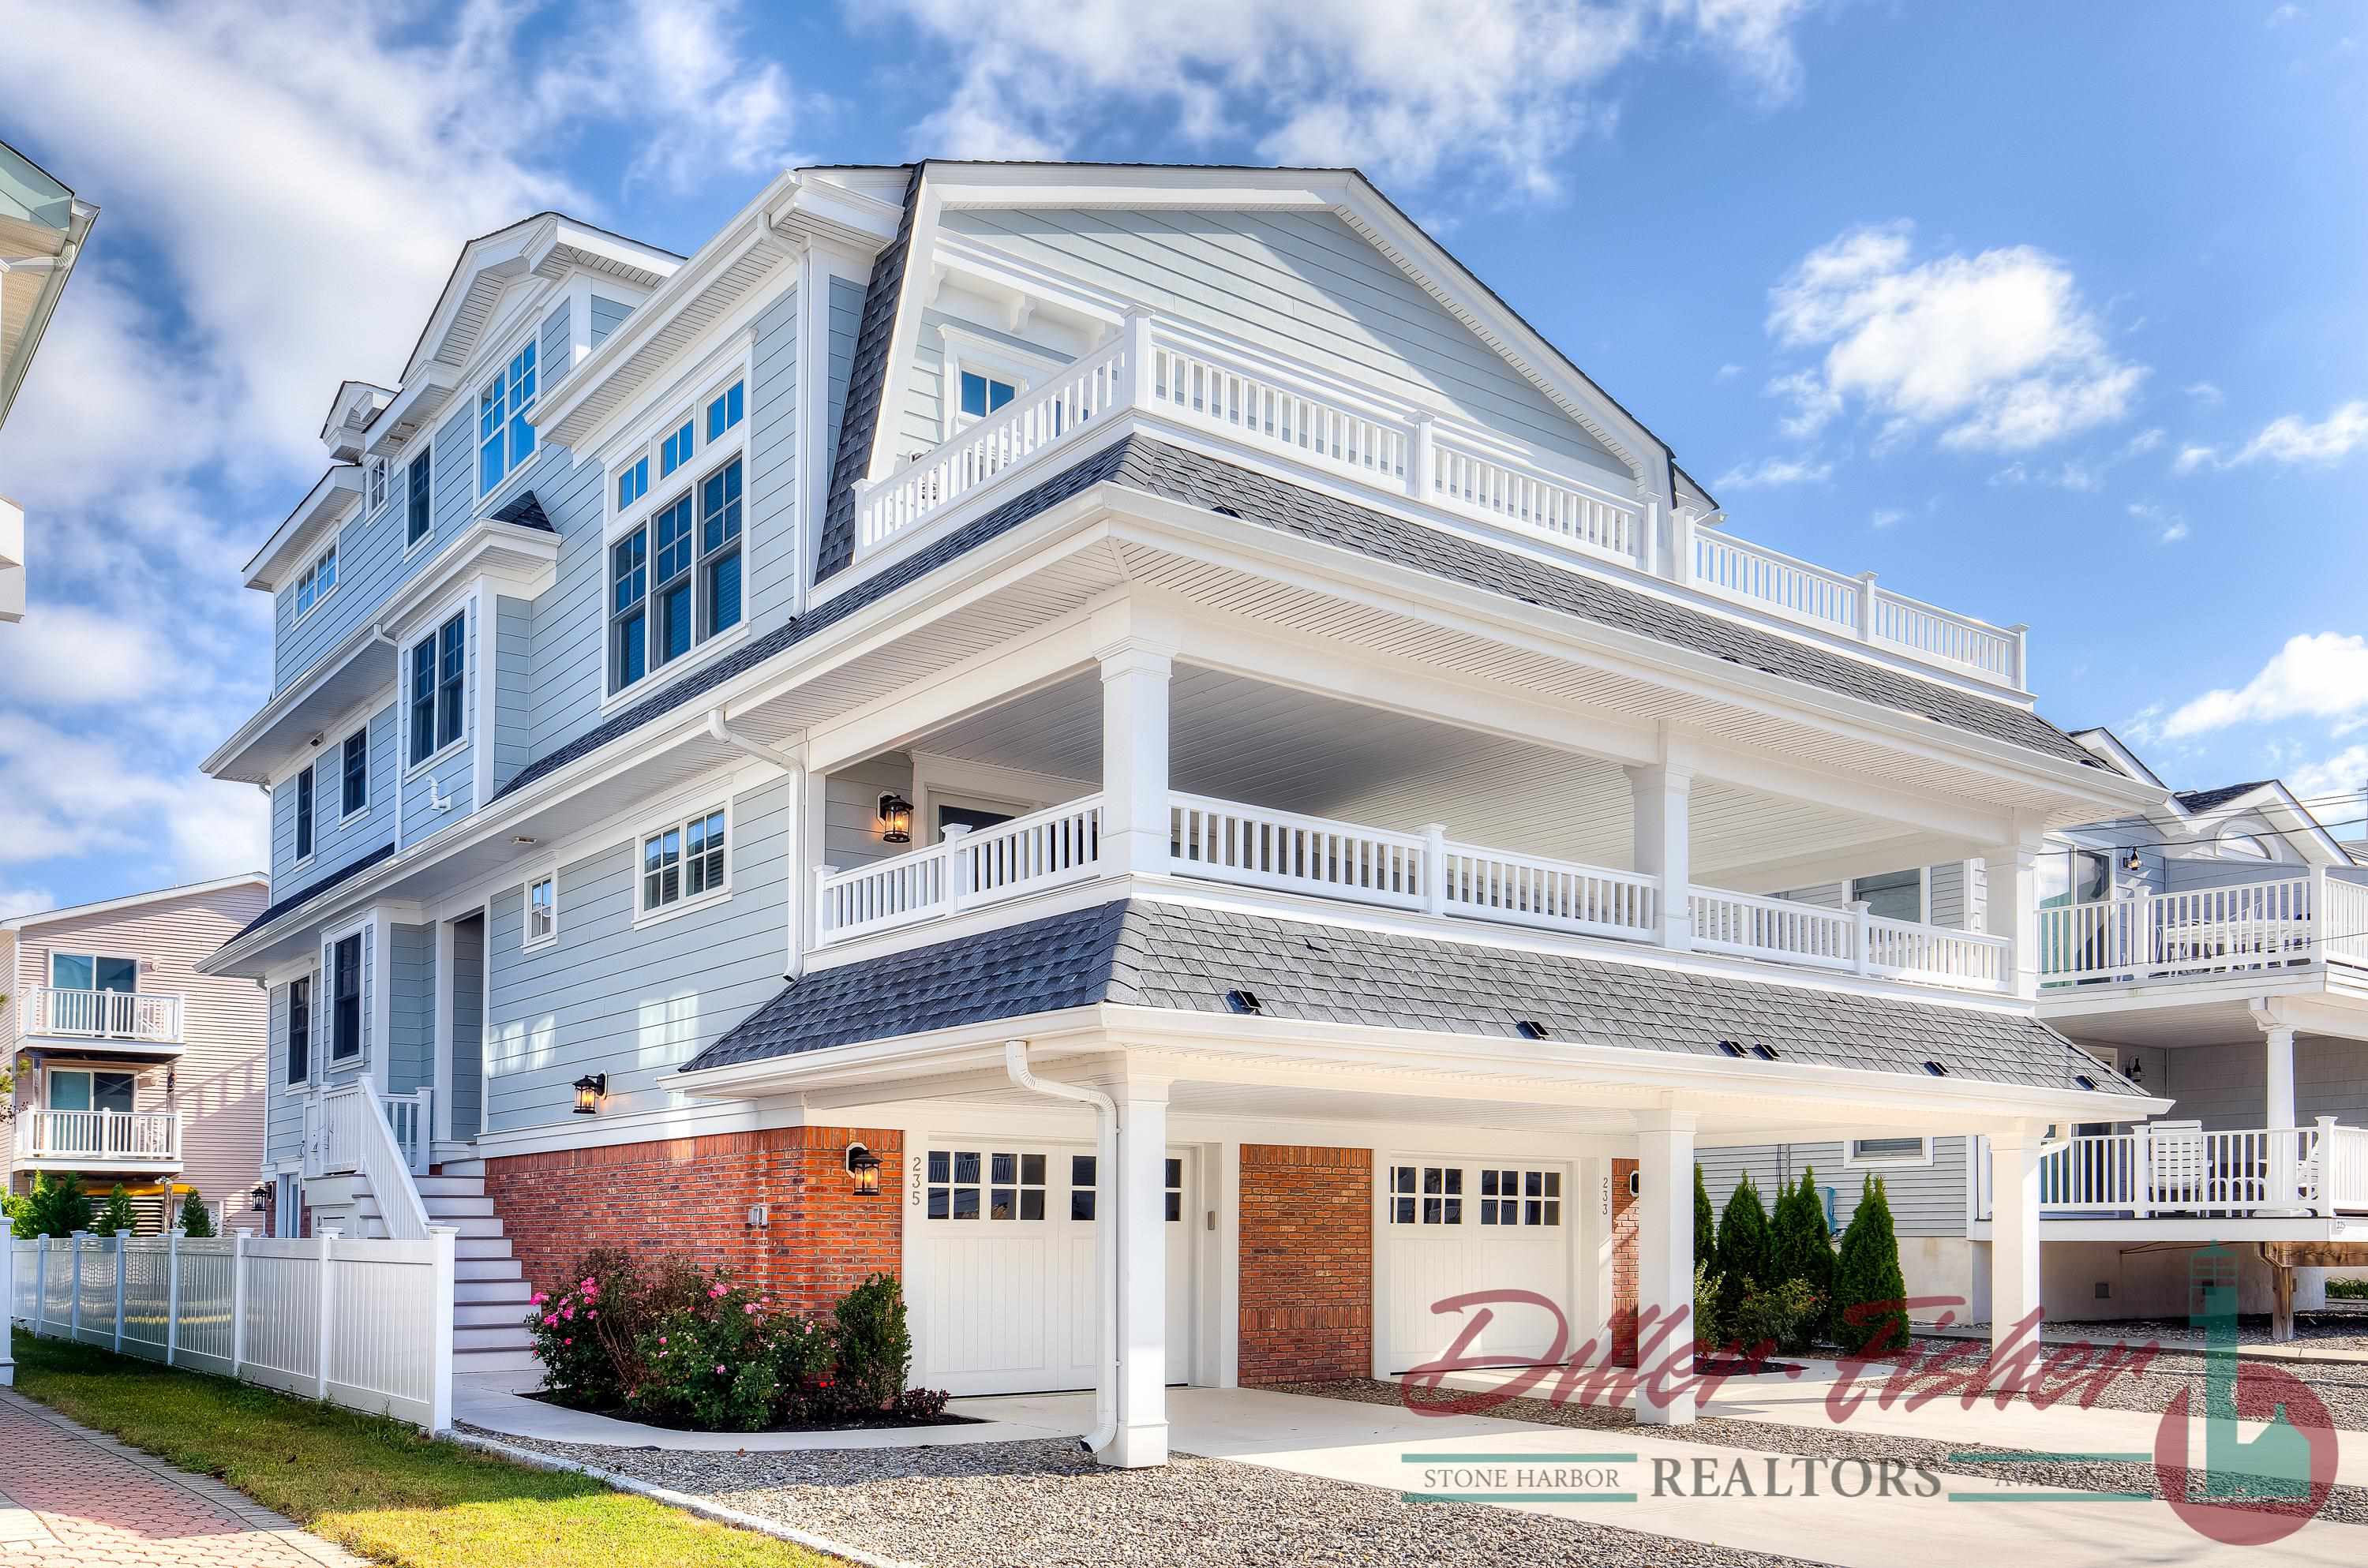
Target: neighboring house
(2215,948)
(42,228)
(1130,744)
(132,1066)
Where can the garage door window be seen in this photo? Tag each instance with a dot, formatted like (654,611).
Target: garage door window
(1426,1194)
(1520,1197)
(1081,1188)
(965,1184)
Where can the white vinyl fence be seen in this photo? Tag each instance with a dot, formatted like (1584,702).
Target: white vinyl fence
(367,1324)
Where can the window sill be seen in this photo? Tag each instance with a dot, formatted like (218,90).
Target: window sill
(441,753)
(419,544)
(680,907)
(350,818)
(659,678)
(540,943)
(303,616)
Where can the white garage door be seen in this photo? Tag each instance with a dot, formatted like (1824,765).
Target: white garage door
(1455,1227)
(1000,1249)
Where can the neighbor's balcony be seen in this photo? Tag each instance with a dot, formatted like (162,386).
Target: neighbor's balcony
(2175,1170)
(1161,371)
(150,1017)
(2284,923)
(1426,873)
(99,1140)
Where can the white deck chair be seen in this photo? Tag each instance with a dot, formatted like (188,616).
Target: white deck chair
(2175,1157)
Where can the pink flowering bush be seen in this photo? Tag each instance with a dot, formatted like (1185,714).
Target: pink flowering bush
(712,1361)
(585,1332)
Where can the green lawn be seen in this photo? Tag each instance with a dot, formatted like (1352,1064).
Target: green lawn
(376,1487)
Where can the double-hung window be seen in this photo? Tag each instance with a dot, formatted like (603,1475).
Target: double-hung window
(418,483)
(318,579)
(682,862)
(541,910)
(304,815)
(377,484)
(504,435)
(356,781)
(346,998)
(439,670)
(675,580)
(300,1030)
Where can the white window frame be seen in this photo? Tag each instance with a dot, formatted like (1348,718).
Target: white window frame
(412,547)
(682,904)
(323,1044)
(297,834)
(346,818)
(527,941)
(969,350)
(465,610)
(377,484)
(502,375)
(328,552)
(1853,1160)
(91,1070)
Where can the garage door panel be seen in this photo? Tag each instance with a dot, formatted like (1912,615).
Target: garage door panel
(1453,1228)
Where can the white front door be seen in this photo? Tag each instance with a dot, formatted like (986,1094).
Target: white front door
(1000,1265)
(1455,1227)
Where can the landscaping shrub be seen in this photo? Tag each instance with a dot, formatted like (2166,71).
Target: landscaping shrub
(1803,1248)
(1776,1317)
(57,1206)
(1706,1324)
(708,1362)
(1869,1290)
(115,1218)
(1705,1222)
(197,1219)
(1743,1248)
(588,1335)
(2347,1290)
(875,1348)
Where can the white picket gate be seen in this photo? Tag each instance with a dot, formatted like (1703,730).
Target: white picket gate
(367,1324)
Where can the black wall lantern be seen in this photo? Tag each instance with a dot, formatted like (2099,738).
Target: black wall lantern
(589,1089)
(895,819)
(864,1167)
(261,1194)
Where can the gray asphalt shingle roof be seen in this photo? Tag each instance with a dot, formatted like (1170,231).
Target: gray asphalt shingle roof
(1151,954)
(2205,800)
(312,890)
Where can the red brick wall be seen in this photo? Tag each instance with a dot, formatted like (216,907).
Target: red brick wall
(1307,1262)
(690,1196)
(1623,1264)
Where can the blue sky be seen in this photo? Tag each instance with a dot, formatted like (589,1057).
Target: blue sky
(2048,314)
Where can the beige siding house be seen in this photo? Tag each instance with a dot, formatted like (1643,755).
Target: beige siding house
(130,1066)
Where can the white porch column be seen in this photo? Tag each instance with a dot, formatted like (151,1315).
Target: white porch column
(1663,794)
(1664,1260)
(2278,1098)
(2278,1105)
(1141,1219)
(2013,912)
(1134,758)
(2014,1238)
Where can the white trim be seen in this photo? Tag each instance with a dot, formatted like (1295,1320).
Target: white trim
(705,461)
(412,547)
(296,589)
(347,818)
(1853,1160)
(968,347)
(682,904)
(368,966)
(463,607)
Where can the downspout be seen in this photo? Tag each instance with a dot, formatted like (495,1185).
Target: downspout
(1015,1059)
(794,765)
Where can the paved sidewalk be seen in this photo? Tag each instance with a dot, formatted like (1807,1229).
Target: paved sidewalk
(73,1498)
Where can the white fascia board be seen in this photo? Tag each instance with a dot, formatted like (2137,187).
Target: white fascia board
(504,250)
(323,691)
(132,901)
(424,392)
(598,245)
(519,561)
(335,492)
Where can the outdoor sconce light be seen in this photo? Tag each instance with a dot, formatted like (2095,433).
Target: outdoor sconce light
(2135,863)
(895,819)
(864,1167)
(261,1193)
(589,1089)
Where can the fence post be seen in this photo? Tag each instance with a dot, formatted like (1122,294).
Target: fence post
(173,1295)
(41,1282)
(1863,917)
(328,1304)
(443,1242)
(121,1259)
(238,1302)
(74,1312)
(1434,867)
(9,1303)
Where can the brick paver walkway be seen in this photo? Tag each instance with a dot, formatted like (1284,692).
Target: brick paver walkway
(73,1498)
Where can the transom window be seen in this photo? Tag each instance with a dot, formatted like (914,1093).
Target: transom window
(1082,1192)
(969,1184)
(92,972)
(1520,1196)
(419,484)
(675,581)
(724,410)
(633,484)
(304,815)
(318,579)
(982,395)
(541,910)
(300,1029)
(438,669)
(683,862)
(346,998)
(674,450)
(1426,1194)
(355,774)
(505,437)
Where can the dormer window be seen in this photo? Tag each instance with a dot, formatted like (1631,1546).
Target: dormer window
(505,438)
(982,395)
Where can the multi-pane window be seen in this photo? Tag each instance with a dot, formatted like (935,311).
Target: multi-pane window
(438,669)
(1173,1180)
(682,862)
(719,547)
(541,910)
(1896,895)
(300,1029)
(674,450)
(318,579)
(724,410)
(967,1184)
(670,588)
(628,615)
(982,395)
(377,484)
(346,998)
(304,815)
(505,436)
(354,782)
(675,581)
(1428,1195)
(1520,1197)
(633,484)
(1082,1191)
(419,482)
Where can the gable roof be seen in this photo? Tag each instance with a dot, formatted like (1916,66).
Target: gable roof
(2205,800)
(1147,953)
(100,906)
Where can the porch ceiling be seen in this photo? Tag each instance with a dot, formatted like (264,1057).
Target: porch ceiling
(1288,749)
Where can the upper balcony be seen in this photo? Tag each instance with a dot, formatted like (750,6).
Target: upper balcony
(1161,372)
(103,1140)
(147,1017)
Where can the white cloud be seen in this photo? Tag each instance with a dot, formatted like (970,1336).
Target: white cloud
(1886,516)
(2171,527)
(1727,371)
(2144,442)
(1774,473)
(2317,676)
(2174,530)
(1998,349)
(2337,775)
(25,901)
(2204,392)
(2192,458)
(2292,440)
(1410,91)
(61,791)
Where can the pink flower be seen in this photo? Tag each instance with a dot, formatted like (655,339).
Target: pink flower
(538,1298)
(591,1284)
(719,1368)
(716,1292)
(551,1320)
(660,1339)
(567,1342)
(750,1308)
(567,1313)
(593,1313)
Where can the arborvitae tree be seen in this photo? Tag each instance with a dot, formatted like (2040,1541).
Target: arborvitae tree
(1705,1222)
(1868,1286)
(116,1219)
(1803,1247)
(197,1219)
(56,1206)
(1743,1247)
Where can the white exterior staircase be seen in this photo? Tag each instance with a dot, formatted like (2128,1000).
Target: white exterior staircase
(491,1348)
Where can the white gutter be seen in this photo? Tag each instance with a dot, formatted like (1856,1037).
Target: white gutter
(1015,1061)
(793,962)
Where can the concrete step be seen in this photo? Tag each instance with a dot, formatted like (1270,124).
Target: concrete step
(432,1186)
(442,1208)
(489,1314)
(466,1268)
(474,1337)
(461,1168)
(466,1246)
(472,1227)
(524,1379)
(512,1292)
(492,1357)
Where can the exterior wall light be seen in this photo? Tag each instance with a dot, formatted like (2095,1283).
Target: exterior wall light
(864,1167)
(895,819)
(589,1091)
(261,1193)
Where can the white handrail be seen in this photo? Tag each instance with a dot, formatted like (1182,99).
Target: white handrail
(1464,479)
(349,1128)
(1560,895)
(109,1015)
(1047,848)
(2239,926)
(1256,846)
(149,1137)
(1753,926)
(1939,955)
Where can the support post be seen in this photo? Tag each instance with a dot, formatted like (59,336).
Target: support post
(2014,911)
(1141,1233)
(1134,759)
(1866,607)
(443,1242)
(172,1295)
(959,877)
(1142,389)
(120,1259)
(1434,868)
(1662,794)
(2278,1105)
(1665,1266)
(1862,935)
(801,855)
(328,1307)
(1421,456)
(9,1304)
(74,1315)
(2014,1241)
(238,1301)
(1681,547)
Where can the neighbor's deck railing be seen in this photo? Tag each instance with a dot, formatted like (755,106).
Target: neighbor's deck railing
(148,1016)
(2238,927)
(128,1139)
(2179,1170)
(1424,873)
(1274,407)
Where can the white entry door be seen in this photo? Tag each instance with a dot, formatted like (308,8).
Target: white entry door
(1454,1227)
(1001,1265)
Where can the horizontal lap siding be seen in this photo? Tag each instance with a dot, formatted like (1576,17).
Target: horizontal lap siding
(410,1014)
(513,686)
(557,353)
(1302,284)
(468,1025)
(336,846)
(772,472)
(633,1003)
(851,811)
(2226,1086)
(568,623)
(606,317)
(1926,1200)
(454,776)
(846,316)
(284,1137)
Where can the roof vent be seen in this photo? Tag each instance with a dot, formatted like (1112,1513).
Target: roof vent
(1531,1028)
(1224,511)
(1936,1070)
(1242,1001)
(1766,1052)
(1730,1048)
(2083,1081)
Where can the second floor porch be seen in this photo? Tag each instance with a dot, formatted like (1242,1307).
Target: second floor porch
(70,1012)
(97,1141)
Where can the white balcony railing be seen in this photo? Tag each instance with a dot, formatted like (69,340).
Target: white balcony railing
(2271,924)
(122,1140)
(2178,1170)
(1162,370)
(1424,873)
(109,1015)
(352,1130)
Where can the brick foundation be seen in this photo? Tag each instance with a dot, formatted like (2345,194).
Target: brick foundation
(1623,1264)
(690,1196)
(1307,1262)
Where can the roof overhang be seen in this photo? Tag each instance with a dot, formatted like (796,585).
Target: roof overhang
(347,675)
(332,497)
(350,412)
(490,263)
(131,900)
(413,409)
(43,227)
(518,559)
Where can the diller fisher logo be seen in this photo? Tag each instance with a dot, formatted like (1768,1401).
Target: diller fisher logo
(2244,1492)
